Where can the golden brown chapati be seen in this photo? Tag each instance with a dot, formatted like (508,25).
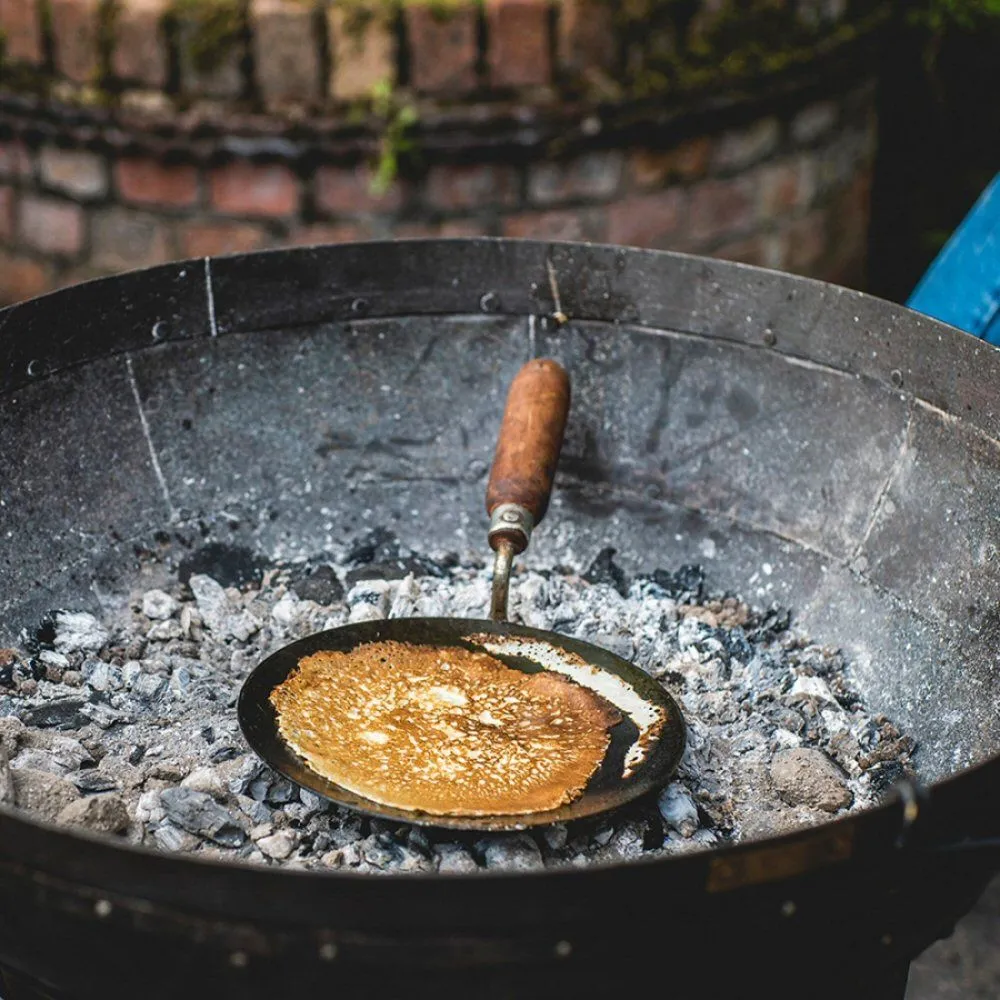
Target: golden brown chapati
(446,731)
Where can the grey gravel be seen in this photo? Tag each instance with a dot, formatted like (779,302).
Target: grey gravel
(152,723)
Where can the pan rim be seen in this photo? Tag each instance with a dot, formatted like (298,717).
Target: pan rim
(257,722)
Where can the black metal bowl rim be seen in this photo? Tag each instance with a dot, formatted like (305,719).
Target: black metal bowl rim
(898,823)
(946,814)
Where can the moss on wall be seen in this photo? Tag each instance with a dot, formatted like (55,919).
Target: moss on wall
(214,29)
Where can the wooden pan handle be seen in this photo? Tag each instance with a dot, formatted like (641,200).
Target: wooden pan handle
(527,451)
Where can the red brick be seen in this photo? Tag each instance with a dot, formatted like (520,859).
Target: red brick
(586,37)
(15,160)
(649,168)
(140,47)
(346,232)
(813,121)
(22,278)
(242,188)
(348,191)
(75,29)
(648,220)
(55,227)
(286,51)
(519,52)
(848,231)
(213,239)
(453,187)
(151,182)
(779,189)
(719,208)
(592,176)
(21,25)
(122,239)
(362,50)
(583,224)
(738,149)
(6,213)
(76,172)
(807,242)
(444,47)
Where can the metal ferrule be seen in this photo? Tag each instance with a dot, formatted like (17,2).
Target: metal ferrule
(512,521)
(510,532)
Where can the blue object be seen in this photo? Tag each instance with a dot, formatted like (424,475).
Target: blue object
(962,286)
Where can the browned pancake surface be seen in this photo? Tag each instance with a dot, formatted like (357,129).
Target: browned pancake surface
(447,731)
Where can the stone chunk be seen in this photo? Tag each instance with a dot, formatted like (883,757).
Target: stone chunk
(100,813)
(6,780)
(217,613)
(78,631)
(515,853)
(678,809)
(12,731)
(42,794)
(807,777)
(158,605)
(278,846)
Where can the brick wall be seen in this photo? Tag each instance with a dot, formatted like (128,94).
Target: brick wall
(144,130)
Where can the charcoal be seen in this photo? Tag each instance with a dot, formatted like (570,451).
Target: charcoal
(62,713)
(685,584)
(377,545)
(92,781)
(319,584)
(735,643)
(159,711)
(173,838)
(229,565)
(199,813)
(605,570)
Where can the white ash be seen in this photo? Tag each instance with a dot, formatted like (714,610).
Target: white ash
(128,727)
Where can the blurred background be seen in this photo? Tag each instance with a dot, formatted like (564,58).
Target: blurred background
(840,139)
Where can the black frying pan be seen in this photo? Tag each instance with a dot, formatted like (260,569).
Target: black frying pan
(641,756)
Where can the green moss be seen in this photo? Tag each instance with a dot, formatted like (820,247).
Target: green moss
(215,30)
(673,46)
(396,119)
